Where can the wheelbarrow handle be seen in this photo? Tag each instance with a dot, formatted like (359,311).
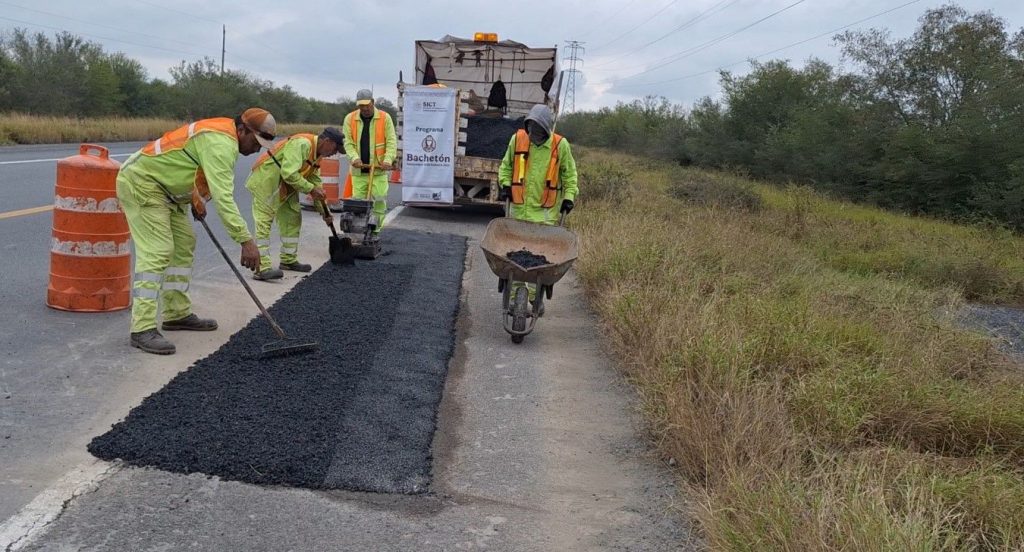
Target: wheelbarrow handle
(508,212)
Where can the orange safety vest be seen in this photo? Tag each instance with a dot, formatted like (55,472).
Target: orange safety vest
(521,167)
(381,141)
(178,138)
(308,166)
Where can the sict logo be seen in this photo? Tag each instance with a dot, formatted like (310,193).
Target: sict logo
(429,105)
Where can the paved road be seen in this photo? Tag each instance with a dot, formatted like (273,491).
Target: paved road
(538,446)
(58,369)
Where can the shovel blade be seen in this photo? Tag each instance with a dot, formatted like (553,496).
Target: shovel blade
(342,251)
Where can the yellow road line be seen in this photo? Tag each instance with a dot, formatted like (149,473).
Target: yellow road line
(23,212)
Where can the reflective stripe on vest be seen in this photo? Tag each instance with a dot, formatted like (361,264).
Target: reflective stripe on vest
(521,167)
(178,138)
(308,166)
(381,142)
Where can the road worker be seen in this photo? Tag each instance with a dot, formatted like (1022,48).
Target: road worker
(371,146)
(291,168)
(538,172)
(156,187)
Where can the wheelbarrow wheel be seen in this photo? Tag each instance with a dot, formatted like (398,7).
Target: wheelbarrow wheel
(520,308)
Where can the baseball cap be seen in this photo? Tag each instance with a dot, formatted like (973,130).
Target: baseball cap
(364,97)
(262,123)
(334,135)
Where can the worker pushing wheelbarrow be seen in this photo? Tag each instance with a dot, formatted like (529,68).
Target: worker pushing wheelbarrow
(525,249)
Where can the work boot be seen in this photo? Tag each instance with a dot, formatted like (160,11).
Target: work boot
(540,311)
(296,267)
(269,274)
(190,322)
(152,342)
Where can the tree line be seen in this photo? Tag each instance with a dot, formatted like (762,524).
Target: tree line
(928,124)
(70,76)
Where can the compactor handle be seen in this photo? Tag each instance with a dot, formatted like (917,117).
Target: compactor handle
(103,152)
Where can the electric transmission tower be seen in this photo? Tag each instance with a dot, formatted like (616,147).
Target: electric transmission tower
(576,52)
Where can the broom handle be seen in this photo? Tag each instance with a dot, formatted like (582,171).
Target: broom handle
(273,323)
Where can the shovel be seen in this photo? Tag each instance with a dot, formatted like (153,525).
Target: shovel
(285,345)
(340,247)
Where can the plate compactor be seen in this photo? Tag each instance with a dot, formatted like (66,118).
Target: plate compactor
(357,218)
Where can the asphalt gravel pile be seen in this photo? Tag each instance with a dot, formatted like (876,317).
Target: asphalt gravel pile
(527,259)
(357,414)
(489,137)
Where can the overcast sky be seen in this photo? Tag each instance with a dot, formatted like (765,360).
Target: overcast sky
(328,49)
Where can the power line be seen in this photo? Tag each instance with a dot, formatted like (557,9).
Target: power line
(97,24)
(697,19)
(607,19)
(161,6)
(29,23)
(641,24)
(691,51)
(777,50)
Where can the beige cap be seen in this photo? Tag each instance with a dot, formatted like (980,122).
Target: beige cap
(262,123)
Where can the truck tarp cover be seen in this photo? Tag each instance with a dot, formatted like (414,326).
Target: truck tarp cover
(467,65)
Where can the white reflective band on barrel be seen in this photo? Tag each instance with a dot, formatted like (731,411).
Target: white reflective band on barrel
(175,286)
(179,271)
(329,179)
(91,249)
(146,293)
(86,204)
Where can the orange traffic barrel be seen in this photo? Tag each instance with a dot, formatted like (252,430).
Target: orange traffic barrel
(90,252)
(396,176)
(348,187)
(330,167)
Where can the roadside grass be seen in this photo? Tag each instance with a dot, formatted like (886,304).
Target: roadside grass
(798,359)
(31,129)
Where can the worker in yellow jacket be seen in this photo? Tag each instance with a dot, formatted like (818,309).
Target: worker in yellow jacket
(156,187)
(538,174)
(371,146)
(290,168)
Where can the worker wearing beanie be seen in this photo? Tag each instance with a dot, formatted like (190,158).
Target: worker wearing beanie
(371,146)
(290,168)
(156,186)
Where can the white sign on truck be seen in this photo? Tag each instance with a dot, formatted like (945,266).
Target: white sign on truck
(428,145)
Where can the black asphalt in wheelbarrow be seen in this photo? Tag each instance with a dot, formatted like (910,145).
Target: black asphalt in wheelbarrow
(359,413)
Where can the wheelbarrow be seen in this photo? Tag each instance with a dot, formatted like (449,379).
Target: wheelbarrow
(506,235)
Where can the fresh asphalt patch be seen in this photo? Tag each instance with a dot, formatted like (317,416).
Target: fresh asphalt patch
(359,413)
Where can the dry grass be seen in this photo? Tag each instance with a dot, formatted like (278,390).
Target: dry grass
(796,362)
(31,129)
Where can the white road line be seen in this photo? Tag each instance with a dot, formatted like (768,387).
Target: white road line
(394,213)
(31,521)
(52,160)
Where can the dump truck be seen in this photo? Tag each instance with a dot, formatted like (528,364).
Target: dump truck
(495,85)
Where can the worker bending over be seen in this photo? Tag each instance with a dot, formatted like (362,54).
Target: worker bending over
(156,187)
(371,146)
(291,168)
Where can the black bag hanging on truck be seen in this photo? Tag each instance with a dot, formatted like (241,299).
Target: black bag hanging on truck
(498,96)
(428,74)
(548,79)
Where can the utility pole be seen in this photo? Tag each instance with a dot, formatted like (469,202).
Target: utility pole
(576,52)
(223,46)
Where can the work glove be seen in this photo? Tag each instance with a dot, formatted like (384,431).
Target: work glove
(198,206)
(503,194)
(567,205)
(318,194)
